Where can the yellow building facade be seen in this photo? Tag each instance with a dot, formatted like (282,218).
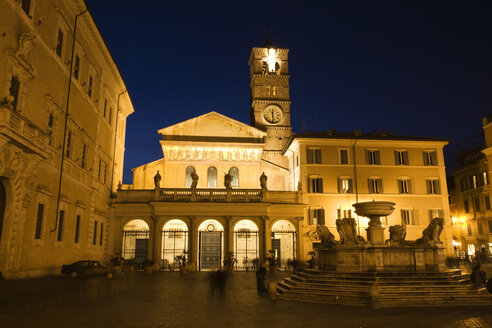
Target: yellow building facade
(206,195)
(470,200)
(62,129)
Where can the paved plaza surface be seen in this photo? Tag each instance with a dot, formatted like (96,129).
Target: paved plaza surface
(170,300)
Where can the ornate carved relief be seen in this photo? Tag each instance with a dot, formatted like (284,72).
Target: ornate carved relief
(22,66)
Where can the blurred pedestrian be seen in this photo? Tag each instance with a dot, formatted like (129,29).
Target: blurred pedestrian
(260,278)
(221,282)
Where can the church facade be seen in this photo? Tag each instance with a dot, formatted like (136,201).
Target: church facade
(225,187)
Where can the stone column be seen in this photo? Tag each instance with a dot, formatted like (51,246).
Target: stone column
(228,240)
(266,238)
(192,241)
(151,250)
(118,236)
(157,240)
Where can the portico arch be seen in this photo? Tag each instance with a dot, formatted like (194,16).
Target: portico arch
(136,235)
(284,241)
(210,245)
(246,245)
(174,242)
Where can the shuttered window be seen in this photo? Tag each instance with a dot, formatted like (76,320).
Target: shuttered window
(94,236)
(375,185)
(39,221)
(14,90)
(345,185)
(315,184)
(407,217)
(430,158)
(373,157)
(433,186)
(313,156)
(77,229)
(401,157)
(101,234)
(343,156)
(61,221)
(404,186)
(317,216)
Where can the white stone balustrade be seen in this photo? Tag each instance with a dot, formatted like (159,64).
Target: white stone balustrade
(208,194)
(20,128)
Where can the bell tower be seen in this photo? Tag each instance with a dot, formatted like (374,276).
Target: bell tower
(270,99)
(270,108)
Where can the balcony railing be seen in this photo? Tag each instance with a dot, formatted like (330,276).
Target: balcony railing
(22,127)
(208,195)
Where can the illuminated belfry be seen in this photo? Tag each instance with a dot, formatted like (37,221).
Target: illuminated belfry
(270,99)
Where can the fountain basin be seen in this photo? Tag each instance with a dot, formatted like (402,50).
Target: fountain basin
(374,208)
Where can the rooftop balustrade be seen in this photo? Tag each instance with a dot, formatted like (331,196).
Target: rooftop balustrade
(207,195)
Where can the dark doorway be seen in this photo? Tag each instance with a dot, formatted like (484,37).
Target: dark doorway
(210,250)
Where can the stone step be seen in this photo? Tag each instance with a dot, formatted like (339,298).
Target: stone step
(327,300)
(450,272)
(389,294)
(402,276)
(448,288)
(409,282)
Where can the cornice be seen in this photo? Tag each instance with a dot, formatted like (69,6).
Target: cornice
(270,101)
(284,76)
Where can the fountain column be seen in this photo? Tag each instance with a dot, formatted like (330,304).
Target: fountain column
(374,211)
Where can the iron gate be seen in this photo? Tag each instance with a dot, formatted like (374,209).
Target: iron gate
(210,250)
(246,250)
(174,243)
(136,246)
(284,243)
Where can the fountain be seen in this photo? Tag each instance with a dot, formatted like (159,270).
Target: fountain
(380,273)
(354,254)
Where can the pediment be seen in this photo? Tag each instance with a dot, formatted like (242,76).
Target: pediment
(212,125)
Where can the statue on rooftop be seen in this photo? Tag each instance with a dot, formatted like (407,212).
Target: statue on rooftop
(157,180)
(227,180)
(263,181)
(194,179)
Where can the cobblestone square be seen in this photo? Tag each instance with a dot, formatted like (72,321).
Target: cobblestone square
(171,300)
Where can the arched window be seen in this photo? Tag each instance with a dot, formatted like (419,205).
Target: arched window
(212,176)
(188,179)
(235,176)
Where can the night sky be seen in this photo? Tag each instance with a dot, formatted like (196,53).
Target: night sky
(421,68)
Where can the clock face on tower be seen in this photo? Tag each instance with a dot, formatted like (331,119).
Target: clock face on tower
(273,114)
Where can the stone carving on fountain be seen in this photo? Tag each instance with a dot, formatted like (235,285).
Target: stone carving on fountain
(325,236)
(431,234)
(348,233)
(397,235)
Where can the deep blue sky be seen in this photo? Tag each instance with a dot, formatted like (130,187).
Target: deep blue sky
(420,68)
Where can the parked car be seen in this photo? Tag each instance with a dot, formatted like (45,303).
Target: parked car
(86,268)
